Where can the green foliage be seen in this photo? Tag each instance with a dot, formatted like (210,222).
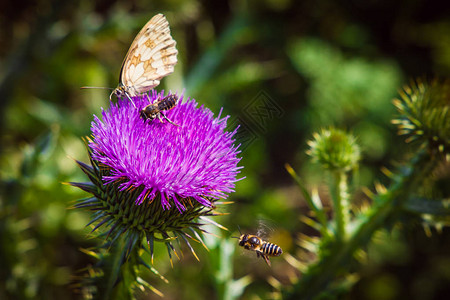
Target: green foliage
(352,235)
(220,255)
(31,220)
(344,90)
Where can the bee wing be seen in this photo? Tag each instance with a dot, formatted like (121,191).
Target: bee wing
(264,229)
(151,56)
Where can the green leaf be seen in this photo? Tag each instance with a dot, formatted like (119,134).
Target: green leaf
(428,206)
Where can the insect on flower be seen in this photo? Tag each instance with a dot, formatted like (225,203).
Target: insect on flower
(262,248)
(154,110)
(152,56)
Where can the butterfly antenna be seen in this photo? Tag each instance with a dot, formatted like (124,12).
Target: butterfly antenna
(132,102)
(95,87)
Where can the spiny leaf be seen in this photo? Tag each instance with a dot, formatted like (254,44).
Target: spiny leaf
(149,286)
(85,186)
(214,223)
(190,247)
(428,206)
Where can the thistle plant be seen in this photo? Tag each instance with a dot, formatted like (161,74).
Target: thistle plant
(337,152)
(424,110)
(424,114)
(152,181)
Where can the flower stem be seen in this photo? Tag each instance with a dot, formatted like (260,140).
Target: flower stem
(340,203)
(113,265)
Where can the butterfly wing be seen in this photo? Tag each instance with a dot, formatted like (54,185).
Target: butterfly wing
(151,56)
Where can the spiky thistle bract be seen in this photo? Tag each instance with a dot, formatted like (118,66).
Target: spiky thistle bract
(424,109)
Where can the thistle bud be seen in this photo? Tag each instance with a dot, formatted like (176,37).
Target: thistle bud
(334,149)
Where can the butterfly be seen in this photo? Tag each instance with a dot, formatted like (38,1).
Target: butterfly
(152,56)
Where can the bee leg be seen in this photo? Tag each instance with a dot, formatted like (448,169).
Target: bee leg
(266,258)
(168,120)
(150,100)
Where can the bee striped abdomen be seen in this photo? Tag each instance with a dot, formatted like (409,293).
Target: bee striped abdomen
(168,102)
(271,249)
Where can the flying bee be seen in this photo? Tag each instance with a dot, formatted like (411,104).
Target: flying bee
(262,248)
(154,110)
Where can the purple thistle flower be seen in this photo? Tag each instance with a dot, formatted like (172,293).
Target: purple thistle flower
(196,160)
(140,167)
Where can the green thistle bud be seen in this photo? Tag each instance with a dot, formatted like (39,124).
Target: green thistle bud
(334,149)
(425,113)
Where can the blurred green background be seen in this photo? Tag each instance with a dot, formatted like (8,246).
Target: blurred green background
(311,63)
